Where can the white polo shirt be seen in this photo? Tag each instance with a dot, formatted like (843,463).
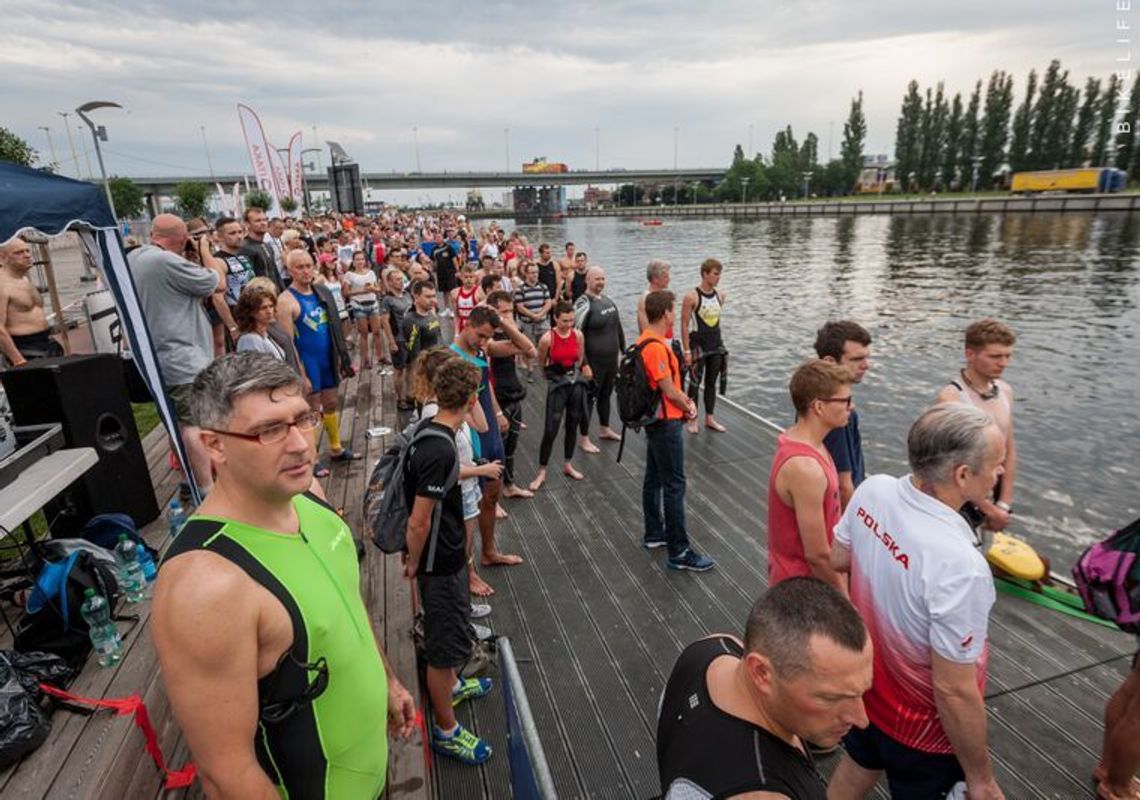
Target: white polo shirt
(920,584)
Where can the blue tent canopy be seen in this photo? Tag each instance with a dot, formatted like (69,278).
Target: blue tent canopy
(49,203)
(52,205)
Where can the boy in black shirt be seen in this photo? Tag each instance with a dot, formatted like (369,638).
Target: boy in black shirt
(439,571)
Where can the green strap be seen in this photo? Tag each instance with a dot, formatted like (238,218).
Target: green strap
(1048,597)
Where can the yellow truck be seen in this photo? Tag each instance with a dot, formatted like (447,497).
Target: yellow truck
(1092,179)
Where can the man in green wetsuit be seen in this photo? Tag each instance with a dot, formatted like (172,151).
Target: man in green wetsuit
(267,654)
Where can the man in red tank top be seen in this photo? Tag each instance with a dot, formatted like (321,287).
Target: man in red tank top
(803,486)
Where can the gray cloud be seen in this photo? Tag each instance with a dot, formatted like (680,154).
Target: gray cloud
(551,72)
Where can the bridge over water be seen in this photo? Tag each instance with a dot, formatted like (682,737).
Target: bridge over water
(466,180)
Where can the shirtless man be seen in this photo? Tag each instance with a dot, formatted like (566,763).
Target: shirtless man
(989,348)
(24,331)
(566,271)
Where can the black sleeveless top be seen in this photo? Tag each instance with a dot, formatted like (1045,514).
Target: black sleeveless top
(702,749)
(505,376)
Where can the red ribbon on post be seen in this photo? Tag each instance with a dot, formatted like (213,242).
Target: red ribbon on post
(134,705)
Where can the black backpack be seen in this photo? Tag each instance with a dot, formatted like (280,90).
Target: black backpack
(637,403)
(53,623)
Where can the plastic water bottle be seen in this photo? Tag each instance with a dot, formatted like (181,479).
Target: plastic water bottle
(146,561)
(132,580)
(175,517)
(104,635)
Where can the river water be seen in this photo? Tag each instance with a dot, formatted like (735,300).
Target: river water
(1068,284)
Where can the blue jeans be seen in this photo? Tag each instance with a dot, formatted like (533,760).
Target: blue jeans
(665,481)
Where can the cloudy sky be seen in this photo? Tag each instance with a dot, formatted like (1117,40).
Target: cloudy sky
(366,74)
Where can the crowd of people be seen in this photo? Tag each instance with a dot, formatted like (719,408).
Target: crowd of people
(873,632)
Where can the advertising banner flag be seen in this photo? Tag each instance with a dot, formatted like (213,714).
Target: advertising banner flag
(265,161)
(296,177)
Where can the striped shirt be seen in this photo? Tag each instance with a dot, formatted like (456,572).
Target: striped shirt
(532,296)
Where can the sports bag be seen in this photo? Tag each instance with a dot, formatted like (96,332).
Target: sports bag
(1108,578)
(385,502)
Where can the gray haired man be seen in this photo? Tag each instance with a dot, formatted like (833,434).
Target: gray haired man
(925,592)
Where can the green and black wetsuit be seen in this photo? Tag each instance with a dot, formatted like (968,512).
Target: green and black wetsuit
(335,745)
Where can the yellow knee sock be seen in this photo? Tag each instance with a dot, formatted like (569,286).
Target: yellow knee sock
(331,422)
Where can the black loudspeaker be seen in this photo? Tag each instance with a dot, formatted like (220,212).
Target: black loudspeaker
(87,395)
(344,189)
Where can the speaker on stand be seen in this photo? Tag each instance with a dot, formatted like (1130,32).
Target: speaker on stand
(87,395)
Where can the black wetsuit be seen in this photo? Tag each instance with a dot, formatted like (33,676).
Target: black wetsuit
(701,746)
(577,285)
(709,356)
(510,393)
(600,322)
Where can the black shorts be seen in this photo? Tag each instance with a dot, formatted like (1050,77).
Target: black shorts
(37,345)
(910,773)
(447,613)
(447,280)
(400,357)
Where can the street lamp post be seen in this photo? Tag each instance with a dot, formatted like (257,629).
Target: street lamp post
(507,144)
(744,189)
(977,169)
(416,143)
(70,141)
(807,183)
(99,133)
(676,135)
(597,150)
(51,145)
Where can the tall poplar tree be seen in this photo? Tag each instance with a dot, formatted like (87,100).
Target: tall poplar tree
(969,141)
(995,126)
(907,141)
(1086,118)
(1020,133)
(1106,112)
(854,137)
(953,142)
(1044,117)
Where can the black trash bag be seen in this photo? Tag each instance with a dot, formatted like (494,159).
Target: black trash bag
(23,724)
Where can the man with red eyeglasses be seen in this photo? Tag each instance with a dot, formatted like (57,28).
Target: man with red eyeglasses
(803,486)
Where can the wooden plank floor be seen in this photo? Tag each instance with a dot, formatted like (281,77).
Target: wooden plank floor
(596,623)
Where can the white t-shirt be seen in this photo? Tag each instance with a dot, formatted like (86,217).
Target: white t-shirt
(357,281)
(920,584)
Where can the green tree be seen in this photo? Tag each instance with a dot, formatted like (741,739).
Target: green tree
(732,188)
(907,142)
(969,141)
(809,153)
(192,197)
(995,126)
(831,179)
(1086,117)
(1126,151)
(854,138)
(738,155)
(1044,116)
(935,113)
(258,198)
(953,142)
(1106,112)
(15,149)
(1020,134)
(288,204)
(128,198)
(1061,130)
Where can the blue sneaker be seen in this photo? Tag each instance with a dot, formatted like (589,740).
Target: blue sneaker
(469,689)
(691,560)
(462,745)
(653,544)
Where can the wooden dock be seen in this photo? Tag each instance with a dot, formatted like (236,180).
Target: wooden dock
(596,623)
